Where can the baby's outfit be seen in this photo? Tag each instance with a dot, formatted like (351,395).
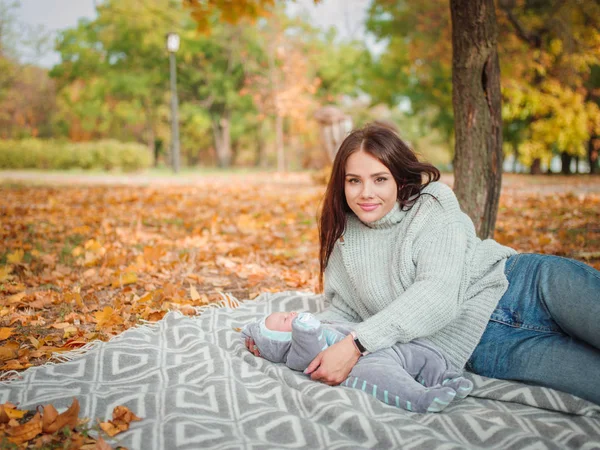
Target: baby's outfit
(414,376)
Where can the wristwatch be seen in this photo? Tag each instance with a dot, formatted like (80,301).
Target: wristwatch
(361,348)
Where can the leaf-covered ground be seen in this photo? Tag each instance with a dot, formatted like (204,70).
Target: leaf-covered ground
(86,258)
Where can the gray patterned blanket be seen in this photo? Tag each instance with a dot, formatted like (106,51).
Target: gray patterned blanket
(196,386)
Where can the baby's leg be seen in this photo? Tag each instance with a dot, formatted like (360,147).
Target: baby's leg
(431,368)
(460,384)
(382,375)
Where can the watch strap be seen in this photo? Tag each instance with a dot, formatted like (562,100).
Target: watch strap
(361,348)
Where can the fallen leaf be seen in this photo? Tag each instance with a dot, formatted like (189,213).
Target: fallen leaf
(187,310)
(122,417)
(14,413)
(16,297)
(52,421)
(25,432)
(107,317)
(5,333)
(194,293)
(5,273)
(101,444)
(125,279)
(15,257)
(14,364)
(70,331)
(8,352)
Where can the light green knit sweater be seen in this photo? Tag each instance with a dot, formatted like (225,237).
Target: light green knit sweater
(421,273)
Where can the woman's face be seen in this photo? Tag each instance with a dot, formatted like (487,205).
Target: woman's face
(370,189)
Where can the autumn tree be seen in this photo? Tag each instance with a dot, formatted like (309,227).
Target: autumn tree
(119,64)
(477,111)
(212,75)
(416,64)
(27,94)
(7,61)
(551,79)
(547,89)
(284,84)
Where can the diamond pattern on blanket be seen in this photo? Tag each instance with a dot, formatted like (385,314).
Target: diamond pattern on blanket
(196,386)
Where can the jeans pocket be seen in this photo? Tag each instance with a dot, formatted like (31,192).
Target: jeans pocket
(508,317)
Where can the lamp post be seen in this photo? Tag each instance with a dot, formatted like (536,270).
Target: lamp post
(172,47)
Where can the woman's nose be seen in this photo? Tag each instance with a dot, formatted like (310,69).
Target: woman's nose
(367,191)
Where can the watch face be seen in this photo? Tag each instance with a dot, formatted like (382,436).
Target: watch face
(361,348)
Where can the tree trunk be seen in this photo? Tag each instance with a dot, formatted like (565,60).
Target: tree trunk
(536,167)
(477,111)
(150,135)
(261,148)
(279,142)
(565,166)
(593,150)
(222,136)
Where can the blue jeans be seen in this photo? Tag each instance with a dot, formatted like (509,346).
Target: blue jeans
(546,327)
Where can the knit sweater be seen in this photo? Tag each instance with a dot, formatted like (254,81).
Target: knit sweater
(421,273)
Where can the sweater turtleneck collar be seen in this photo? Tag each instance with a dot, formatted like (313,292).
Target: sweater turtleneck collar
(389,220)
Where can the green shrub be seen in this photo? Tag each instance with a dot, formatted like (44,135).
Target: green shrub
(61,155)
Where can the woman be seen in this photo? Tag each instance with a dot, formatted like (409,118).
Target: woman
(400,259)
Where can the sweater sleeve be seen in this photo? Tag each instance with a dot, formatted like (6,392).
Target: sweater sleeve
(431,302)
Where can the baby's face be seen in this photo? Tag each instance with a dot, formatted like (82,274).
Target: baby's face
(280,321)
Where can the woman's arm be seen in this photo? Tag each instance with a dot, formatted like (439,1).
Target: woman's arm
(426,306)
(333,365)
(431,302)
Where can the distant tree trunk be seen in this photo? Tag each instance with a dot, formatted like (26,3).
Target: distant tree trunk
(222,136)
(516,155)
(235,150)
(593,150)
(261,148)
(279,142)
(477,111)
(536,167)
(150,135)
(565,160)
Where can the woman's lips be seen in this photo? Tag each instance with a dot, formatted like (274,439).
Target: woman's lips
(368,206)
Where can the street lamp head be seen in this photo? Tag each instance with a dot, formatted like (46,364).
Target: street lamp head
(172,42)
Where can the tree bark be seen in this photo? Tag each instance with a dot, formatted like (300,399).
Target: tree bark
(150,135)
(536,167)
(565,160)
(593,151)
(222,136)
(261,147)
(477,111)
(279,145)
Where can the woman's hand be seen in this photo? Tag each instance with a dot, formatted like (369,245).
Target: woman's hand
(252,348)
(333,365)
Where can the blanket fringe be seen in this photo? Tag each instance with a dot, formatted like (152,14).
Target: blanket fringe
(227,301)
(8,376)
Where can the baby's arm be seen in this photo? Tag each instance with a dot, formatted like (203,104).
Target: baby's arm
(308,340)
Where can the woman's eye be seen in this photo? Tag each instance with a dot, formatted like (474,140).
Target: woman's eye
(353,180)
(381,179)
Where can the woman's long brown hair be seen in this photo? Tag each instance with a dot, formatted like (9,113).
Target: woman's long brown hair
(410,175)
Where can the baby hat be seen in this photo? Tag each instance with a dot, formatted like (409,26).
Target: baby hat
(272,345)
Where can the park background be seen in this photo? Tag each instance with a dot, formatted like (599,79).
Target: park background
(98,234)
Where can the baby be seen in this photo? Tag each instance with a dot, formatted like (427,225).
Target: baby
(413,376)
